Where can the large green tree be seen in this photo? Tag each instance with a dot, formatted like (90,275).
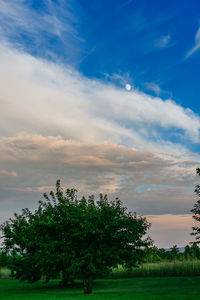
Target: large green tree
(81,239)
(196,211)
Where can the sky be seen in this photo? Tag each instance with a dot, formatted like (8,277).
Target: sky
(103,95)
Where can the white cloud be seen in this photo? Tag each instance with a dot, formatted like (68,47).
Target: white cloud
(196,46)
(49,99)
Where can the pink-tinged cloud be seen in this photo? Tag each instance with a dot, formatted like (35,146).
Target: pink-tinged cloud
(168,230)
(8,173)
(147,183)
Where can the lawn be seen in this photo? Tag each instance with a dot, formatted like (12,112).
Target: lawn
(112,289)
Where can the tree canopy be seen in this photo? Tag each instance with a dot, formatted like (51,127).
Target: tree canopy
(196,211)
(80,239)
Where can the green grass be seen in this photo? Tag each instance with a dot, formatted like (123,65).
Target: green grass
(140,283)
(110,289)
(179,268)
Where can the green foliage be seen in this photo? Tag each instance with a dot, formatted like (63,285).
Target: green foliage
(80,238)
(3,259)
(4,273)
(162,254)
(196,211)
(152,254)
(174,253)
(192,252)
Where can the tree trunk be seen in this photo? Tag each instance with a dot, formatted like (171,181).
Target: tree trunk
(47,279)
(87,286)
(64,281)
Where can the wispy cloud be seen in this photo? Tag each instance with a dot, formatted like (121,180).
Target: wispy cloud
(154,87)
(34,30)
(17,14)
(120,79)
(196,46)
(164,41)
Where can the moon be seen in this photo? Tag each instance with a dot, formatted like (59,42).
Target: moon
(128,87)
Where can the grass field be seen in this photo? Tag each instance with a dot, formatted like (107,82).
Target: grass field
(166,268)
(110,289)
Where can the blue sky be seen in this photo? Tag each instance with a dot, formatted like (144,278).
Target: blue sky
(104,95)
(148,42)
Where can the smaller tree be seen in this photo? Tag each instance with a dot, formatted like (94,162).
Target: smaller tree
(192,252)
(174,253)
(196,212)
(152,254)
(162,253)
(187,252)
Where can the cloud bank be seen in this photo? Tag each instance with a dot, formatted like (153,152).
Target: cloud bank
(56,123)
(159,183)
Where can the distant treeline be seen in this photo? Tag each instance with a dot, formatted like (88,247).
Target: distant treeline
(154,254)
